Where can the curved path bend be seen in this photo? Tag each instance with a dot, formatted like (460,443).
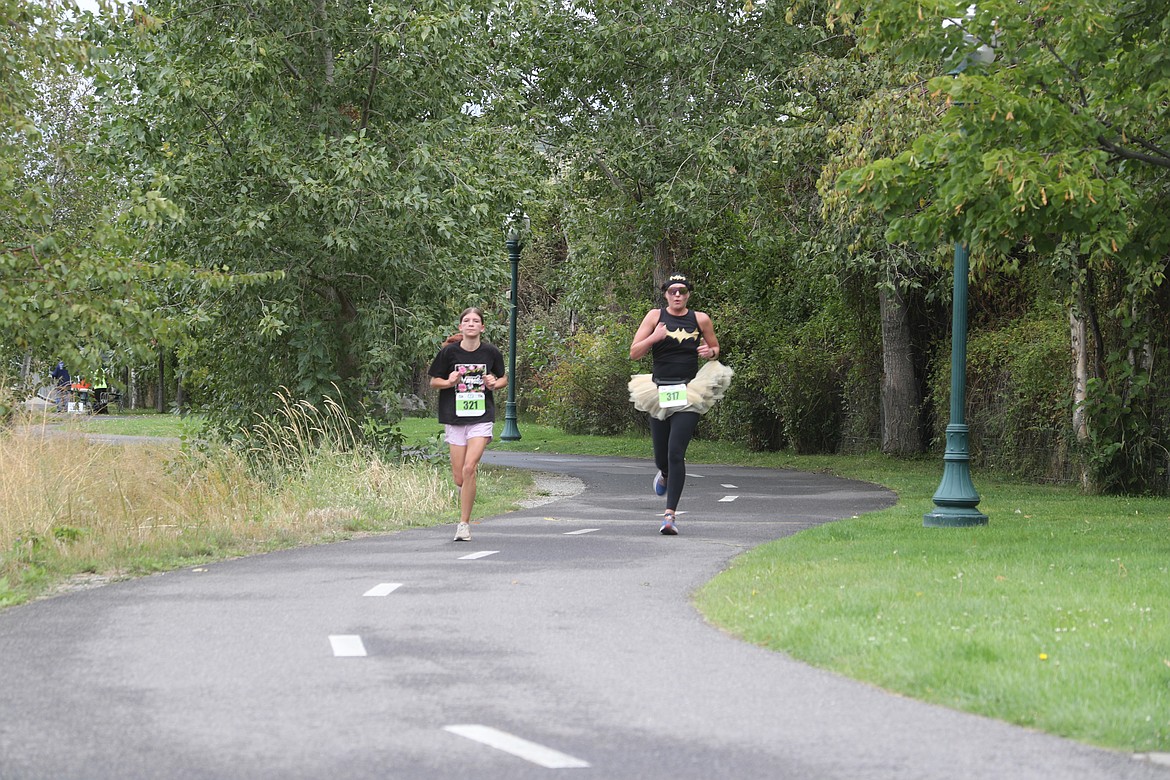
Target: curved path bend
(560,640)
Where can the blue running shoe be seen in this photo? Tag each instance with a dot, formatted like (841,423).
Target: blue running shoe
(668,528)
(659,484)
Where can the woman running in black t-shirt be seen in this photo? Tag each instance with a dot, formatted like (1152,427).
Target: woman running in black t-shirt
(466,372)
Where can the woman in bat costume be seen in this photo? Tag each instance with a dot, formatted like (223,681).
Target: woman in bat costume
(677,392)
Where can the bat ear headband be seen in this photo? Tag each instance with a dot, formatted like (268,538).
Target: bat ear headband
(674,279)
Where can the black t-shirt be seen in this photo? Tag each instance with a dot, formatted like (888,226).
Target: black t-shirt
(676,357)
(472,367)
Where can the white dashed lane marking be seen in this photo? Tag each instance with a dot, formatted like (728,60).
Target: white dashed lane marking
(582,531)
(480,554)
(521,748)
(347,646)
(730,487)
(385,589)
(727,499)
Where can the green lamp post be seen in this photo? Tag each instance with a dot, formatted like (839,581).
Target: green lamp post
(956,499)
(516,225)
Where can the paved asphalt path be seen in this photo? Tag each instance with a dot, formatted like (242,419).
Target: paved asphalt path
(570,649)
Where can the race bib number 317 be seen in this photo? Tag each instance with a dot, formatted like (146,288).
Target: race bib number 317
(672,396)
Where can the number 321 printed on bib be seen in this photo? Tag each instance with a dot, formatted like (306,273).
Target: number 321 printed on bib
(470,398)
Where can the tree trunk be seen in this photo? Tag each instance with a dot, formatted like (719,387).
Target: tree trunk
(346,362)
(326,43)
(160,401)
(663,261)
(180,394)
(1078,330)
(901,429)
(348,365)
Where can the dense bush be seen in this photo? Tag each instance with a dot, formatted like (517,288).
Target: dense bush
(787,389)
(860,393)
(745,414)
(541,345)
(1019,406)
(585,392)
(1129,414)
(807,386)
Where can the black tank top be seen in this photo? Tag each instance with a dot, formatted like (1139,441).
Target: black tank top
(676,357)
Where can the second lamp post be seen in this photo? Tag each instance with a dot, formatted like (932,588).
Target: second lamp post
(515,236)
(956,499)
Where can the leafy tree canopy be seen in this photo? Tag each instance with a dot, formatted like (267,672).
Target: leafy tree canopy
(72,277)
(347,146)
(1060,145)
(663,118)
(1064,136)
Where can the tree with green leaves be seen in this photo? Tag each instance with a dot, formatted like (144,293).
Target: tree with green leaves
(1059,146)
(881,107)
(655,115)
(346,147)
(685,137)
(73,279)
(694,137)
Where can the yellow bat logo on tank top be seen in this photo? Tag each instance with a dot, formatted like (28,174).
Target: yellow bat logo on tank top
(680,335)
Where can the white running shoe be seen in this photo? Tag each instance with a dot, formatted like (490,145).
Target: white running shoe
(668,527)
(463,533)
(659,484)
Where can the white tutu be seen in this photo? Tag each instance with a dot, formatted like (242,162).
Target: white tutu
(703,391)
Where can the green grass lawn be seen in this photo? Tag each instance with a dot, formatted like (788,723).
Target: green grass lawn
(1053,616)
(138,424)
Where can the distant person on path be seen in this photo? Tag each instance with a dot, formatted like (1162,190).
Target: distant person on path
(63,385)
(466,372)
(101,390)
(677,392)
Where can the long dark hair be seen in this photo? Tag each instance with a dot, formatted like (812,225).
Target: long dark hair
(455,338)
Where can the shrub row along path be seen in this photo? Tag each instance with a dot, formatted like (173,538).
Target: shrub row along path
(559,640)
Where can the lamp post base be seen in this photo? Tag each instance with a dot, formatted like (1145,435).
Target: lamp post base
(511,432)
(954,517)
(956,497)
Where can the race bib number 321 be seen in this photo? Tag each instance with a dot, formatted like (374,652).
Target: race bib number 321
(470,404)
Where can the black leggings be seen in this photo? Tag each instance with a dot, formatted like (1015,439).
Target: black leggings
(671,437)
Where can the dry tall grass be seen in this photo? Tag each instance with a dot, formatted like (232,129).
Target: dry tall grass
(69,505)
(295,438)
